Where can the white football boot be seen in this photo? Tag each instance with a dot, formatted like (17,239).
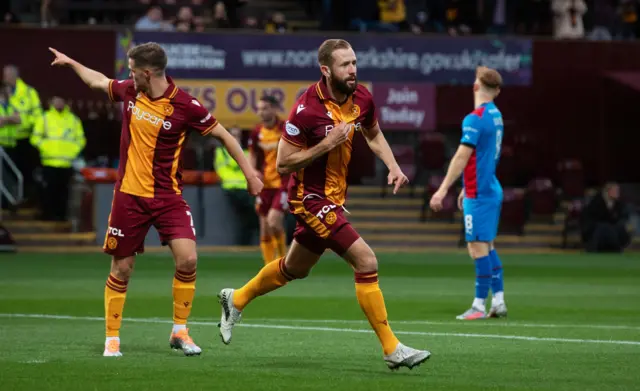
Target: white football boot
(405,356)
(230,315)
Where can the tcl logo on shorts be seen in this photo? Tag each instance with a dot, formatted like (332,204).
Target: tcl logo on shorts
(115,232)
(143,115)
(325,209)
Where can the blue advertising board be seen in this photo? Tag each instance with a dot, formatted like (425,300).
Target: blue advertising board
(383,58)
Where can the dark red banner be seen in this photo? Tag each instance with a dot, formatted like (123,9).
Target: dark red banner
(405,106)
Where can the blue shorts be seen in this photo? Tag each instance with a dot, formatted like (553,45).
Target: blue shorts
(481,219)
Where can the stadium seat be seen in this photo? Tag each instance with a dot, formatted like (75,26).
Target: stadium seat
(431,157)
(406,158)
(507,168)
(571,179)
(449,205)
(542,199)
(513,214)
(572,222)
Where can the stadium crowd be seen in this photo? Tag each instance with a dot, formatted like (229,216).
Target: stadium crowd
(564,19)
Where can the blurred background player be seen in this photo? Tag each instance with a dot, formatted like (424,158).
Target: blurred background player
(481,195)
(156,117)
(316,151)
(234,187)
(272,201)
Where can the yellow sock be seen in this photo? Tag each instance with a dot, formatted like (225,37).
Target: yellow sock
(280,243)
(268,249)
(184,289)
(372,304)
(271,277)
(115,293)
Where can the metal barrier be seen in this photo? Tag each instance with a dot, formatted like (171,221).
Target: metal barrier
(5,191)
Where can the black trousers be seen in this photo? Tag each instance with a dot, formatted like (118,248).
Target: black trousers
(243,205)
(55,193)
(607,237)
(26,158)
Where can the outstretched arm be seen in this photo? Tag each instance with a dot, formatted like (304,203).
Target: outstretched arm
(93,79)
(379,145)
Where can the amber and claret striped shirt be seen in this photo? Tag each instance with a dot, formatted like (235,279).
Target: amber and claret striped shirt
(313,116)
(153,135)
(263,143)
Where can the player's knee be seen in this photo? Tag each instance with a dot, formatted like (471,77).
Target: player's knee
(478,249)
(366,264)
(122,268)
(187,263)
(298,271)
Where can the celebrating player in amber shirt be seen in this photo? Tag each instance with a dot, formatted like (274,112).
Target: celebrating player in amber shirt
(316,149)
(272,200)
(157,116)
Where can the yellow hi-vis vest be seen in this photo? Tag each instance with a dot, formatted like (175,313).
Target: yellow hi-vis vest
(26,100)
(229,171)
(59,137)
(7,131)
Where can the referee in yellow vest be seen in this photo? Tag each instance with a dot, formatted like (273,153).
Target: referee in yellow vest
(234,186)
(25,99)
(59,137)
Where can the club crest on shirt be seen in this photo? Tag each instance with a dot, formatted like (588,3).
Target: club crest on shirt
(168,110)
(355,111)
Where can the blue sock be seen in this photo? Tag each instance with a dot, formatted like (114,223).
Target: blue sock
(497,282)
(483,277)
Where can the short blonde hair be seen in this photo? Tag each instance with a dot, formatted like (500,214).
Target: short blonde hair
(489,78)
(325,51)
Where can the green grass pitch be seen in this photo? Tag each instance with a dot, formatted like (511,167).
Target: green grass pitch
(574,324)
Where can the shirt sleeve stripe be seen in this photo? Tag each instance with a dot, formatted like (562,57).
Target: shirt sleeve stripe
(469,145)
(110,90)
(209,129)
(293,142)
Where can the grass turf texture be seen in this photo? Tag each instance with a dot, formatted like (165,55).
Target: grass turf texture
(574,324)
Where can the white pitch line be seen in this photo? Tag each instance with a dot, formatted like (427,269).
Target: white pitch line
(336,329)
(487,323)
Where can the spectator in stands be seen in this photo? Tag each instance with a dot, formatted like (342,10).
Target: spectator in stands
(628,14)
(568,18)
(234,186)
(393,13)
(152,21)
(277,24)
(424,16)
(10,18)
(252,23)
(603,19)
(220,18)
(184,20)
(59,136)
(458,17)
(604,222)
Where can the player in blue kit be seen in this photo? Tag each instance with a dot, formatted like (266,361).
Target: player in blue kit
(481,197)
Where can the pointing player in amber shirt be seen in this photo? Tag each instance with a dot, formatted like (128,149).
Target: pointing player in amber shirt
(157,116)
(272,200)
(316,149)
